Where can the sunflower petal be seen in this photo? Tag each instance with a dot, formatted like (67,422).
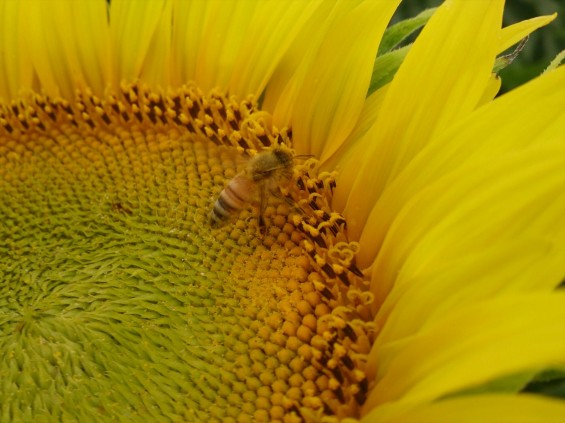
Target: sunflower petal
(133,25)
(511,34)
(276,24)
(445,94)
(190,19)
(491,90)
(332,96)
(284,85)
(326,96)
(16,72)
(41,48)
(216,52)
(523,265)
(471,346)
(536,105)
(350,149)
(155,71)
(478,205)
(494,408)
(66,52)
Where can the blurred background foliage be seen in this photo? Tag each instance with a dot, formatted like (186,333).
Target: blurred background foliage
(541,48)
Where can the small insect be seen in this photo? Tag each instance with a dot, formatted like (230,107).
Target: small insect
(263,174)
(120,208)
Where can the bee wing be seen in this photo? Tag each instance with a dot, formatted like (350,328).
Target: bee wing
(277,193)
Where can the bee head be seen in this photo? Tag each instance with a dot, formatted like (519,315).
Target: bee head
(284,156)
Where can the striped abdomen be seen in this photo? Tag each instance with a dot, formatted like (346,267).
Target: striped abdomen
(234,197)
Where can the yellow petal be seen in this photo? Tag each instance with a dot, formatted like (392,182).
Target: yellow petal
(133,25)
(349,149)
(471,346)
(491,90)
(41,47)
(187,37)
(523,265)
(237,45)
(282,90)
(333,93)
(233,45)
(525,116)
(274,27)
(221,38)
(15,67)
(448,67)
(495,408)
(85,36)
(327,93)
(486,202)
(156,72)
(68,44)
(511,34)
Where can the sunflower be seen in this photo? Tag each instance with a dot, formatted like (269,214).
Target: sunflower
(406,270)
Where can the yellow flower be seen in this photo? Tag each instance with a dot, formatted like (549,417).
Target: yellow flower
(411,275)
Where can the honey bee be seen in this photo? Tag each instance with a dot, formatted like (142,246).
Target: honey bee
(263,175)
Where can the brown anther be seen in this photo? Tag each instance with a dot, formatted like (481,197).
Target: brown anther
(355,270)
(348,362)
(348,330)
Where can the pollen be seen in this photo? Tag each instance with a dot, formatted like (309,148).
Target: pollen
(121,301)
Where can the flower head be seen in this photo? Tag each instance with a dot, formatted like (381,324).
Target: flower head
(403,267)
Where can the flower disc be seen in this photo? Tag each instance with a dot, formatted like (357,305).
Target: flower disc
(120,301)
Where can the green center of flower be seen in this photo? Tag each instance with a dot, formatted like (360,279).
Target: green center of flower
(119,300)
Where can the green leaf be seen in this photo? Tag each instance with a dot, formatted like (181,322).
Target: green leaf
(551,383)
(396,33)
(388,60)
(511,383)
(560,58)
(385,68)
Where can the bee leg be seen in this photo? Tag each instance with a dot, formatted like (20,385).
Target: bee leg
(289,201)
(262,207)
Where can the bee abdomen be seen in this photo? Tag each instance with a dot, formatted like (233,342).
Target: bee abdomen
(231,200)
